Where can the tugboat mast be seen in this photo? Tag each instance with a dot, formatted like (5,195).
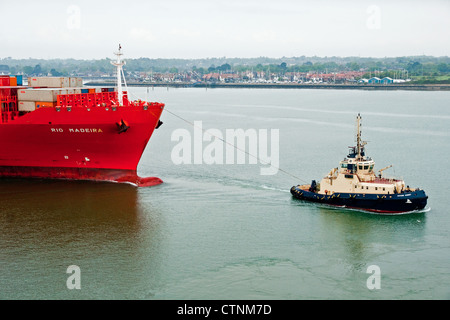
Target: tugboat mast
(118,63)
(359,143)
(358,136)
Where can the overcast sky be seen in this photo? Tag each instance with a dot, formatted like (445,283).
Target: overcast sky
(229,28)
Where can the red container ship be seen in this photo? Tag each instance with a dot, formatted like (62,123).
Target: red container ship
(63,131)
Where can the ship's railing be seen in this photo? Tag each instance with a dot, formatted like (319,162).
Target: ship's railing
(8,108)
(91,99)
(99,99)
(383,180)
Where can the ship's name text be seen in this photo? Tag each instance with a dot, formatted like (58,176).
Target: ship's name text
(77,130)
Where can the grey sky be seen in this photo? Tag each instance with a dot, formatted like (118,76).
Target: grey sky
(232,28)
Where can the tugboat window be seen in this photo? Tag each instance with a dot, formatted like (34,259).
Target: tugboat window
(366,167)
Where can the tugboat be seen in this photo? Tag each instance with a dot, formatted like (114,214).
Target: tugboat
(355,185)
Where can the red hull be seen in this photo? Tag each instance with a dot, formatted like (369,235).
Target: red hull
(79,143)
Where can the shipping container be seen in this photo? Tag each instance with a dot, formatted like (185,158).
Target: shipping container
(78,90)
(105,90)
(19,78)
(12,81)
(91,90)
(27,106)
(74,90)
(76,82)
(50,82)
(39,94)
(98,90)
(44,104)
(4,81)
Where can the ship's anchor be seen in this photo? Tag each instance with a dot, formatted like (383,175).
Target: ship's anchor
(122,126)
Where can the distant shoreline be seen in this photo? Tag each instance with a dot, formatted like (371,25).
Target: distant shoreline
(414,87)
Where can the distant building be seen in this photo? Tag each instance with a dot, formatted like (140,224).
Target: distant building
(386,80)
(374,80)
(212,77)
(363,81)
(229,77)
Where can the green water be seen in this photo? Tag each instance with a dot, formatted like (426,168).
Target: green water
(227,232)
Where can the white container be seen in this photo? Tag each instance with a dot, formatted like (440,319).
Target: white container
(76,89)
(76,82)
(42,95)
(50,82)
(27,106)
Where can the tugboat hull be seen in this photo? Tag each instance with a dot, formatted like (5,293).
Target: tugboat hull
(379,203)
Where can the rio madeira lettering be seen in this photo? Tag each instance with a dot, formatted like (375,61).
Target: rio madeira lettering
(77,130)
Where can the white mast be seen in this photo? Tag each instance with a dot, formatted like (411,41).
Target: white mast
(118,63)
(358,136)
(359,143)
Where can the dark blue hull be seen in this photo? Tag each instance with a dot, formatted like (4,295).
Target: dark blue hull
(381,203)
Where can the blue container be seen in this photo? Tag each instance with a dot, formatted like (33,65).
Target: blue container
(84,90)
(111,89)
(19,80)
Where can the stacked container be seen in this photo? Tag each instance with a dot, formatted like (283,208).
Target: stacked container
(32,99)
(55,82)
(76,82)
(50,82)
(5,81)
(13,81)
(19,80)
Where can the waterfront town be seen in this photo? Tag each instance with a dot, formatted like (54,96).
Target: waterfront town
(235,71)
(262,77)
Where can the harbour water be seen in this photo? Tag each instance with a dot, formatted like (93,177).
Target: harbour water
(224,231)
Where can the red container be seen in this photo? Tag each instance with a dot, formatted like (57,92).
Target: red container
(4,81)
